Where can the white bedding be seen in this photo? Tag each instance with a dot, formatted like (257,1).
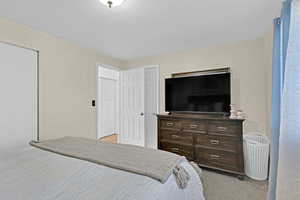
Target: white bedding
(28,173)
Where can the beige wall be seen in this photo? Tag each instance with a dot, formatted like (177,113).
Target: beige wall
(268,55)
(248,61)
(67,81)
(68,78)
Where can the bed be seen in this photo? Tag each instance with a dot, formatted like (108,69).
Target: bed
(30,173)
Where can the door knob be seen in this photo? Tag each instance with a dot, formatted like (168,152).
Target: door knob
(142,114)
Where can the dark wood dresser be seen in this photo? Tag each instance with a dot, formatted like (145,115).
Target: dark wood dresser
(211,141)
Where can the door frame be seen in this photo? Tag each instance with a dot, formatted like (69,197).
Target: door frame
(158,84)
(98,99)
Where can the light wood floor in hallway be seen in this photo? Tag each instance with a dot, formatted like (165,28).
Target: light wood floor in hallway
(223,187)
(111,138)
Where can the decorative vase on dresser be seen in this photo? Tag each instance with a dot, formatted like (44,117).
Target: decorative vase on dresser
(214,142)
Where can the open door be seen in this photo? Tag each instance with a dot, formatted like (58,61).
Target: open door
(132,108)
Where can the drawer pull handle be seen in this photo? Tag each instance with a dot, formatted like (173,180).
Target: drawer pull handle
(214,157)
(193,126)
(215,142)
(222,128)
(175,136)
(175,149)
(170,124)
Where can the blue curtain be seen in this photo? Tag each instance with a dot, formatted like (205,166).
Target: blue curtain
(288,176)
(280,45)
(285,27)
(276,99)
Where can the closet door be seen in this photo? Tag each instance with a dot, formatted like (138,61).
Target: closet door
(132,125)
(18,102)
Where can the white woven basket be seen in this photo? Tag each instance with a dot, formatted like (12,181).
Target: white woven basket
(256,155)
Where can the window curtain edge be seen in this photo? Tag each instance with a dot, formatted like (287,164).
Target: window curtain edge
(276,108)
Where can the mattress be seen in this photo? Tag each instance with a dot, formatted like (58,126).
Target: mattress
(30,173)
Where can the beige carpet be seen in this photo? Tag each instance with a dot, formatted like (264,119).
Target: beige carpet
(223,187)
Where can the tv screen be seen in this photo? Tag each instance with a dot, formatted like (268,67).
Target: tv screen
(205,93)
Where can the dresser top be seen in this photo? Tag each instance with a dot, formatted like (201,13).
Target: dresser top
(198,116)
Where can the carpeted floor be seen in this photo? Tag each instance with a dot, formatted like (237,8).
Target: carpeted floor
(223,187)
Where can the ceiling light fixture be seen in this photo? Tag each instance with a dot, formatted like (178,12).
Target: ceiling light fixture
(112,3)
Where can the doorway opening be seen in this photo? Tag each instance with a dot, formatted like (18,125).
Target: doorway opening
(128,102)
(108,102)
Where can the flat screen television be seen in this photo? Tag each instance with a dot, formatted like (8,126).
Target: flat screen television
(201,94)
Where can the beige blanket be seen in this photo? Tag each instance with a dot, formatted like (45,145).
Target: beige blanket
(153,163)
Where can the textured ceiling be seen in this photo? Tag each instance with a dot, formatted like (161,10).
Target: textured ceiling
(141,28)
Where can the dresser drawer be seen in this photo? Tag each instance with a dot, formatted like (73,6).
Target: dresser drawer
(223,127)
(219,159)
(183,150)
(170,124)
(221,142)
(194,126)
(176,136)
(211,141)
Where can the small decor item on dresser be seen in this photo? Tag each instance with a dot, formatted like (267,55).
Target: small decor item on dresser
(232,112)
(240,114)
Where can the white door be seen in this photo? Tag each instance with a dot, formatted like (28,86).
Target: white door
(109,106)
(151,105)
(108,101)
(18,102)
(132,128)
